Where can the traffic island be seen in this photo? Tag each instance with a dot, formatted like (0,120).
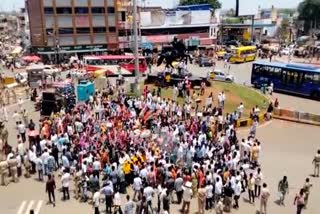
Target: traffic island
(235,94)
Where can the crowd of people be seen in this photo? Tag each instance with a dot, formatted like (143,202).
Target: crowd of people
(154,150)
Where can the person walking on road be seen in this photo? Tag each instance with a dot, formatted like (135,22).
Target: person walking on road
(96,202)
(251,183)
(201,199)
(129,206)
(299,201)
(50,187)
(258,180)
(306,187)
(265,194)
(187,196)
(316,162)
(283,189)
(65,180)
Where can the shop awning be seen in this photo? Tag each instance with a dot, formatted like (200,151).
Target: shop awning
(205,41)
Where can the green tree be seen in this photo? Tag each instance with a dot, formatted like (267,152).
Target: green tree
(309,12)
(215,4)
(231,12)
(283,30)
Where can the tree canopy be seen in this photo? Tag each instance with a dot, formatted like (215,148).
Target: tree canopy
(215,4)
(309,12)
(283,30)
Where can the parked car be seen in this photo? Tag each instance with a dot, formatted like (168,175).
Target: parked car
(50,70)
(205,62)
(221,76)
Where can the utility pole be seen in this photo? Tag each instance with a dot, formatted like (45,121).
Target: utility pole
(252,28)
(135,39)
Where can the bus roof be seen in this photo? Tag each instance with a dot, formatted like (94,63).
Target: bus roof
(112,57)
(295,66)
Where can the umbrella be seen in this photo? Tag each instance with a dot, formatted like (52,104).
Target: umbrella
(31,58)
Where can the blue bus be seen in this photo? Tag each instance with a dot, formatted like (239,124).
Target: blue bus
(294,78)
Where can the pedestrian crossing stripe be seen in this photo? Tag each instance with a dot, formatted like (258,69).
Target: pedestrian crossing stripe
(26,206)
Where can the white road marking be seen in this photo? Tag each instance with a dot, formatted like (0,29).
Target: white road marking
(37,210)
(23,204)
(29,207)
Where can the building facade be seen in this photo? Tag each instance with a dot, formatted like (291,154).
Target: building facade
(195,24)
(73,26)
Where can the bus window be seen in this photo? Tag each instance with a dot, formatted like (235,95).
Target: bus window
(308,78)
(284,77)
(299,79)
(316,78)
(277,73)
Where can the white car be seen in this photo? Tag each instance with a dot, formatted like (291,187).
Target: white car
(221,76)
(285,51)
(50,70)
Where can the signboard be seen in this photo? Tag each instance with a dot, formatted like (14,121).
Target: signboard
(248,7)
(71,48)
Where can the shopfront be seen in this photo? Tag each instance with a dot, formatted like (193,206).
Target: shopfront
(63,53)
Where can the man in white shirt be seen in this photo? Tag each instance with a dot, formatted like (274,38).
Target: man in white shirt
(65,180)
(17,117)
(237,193)
(148,193)
(137,185)
(209,193)
(265,194)
(218,189)
(223,96)
(187,196)
(21,149)
(240,109)
(22,131)
(143,173)
(96,202)
(44,157)
(129,206)
(96,168)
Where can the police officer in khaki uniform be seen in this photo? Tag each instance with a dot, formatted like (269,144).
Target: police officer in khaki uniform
(13,167)
(4,172)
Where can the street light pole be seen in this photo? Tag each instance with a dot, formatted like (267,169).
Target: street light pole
(135,39)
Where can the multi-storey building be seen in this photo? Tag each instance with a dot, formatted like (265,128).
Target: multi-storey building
(74,26)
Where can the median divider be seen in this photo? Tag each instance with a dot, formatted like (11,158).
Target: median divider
(245,122)
(297,116)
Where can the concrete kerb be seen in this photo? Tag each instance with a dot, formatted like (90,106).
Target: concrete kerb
(246,122)
(297,117)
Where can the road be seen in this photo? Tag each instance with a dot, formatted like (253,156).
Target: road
(285,151)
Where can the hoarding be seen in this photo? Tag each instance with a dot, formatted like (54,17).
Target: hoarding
(248,7)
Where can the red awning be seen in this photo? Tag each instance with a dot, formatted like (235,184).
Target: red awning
(31,58)
(160,38)
(206,41)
